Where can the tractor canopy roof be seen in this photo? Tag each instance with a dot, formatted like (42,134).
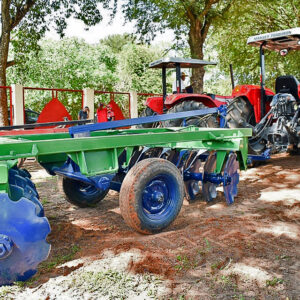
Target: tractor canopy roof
(278,40)
(171,62)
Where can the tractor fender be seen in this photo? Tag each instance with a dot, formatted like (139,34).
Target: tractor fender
(156,104)
(207,100)
(251,93)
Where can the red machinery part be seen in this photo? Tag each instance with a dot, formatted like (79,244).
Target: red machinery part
(253,94)
(54,111)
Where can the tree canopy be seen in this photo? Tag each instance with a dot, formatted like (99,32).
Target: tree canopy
(244,19)
(190,20)
(74,64)
(24,23)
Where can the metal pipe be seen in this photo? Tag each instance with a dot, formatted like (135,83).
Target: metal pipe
(178,78)
(262,80)
(164,83)
(231,76)
(36,125)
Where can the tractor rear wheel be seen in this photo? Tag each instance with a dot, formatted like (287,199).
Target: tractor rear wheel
(147,112)
(240,114)
(209,121)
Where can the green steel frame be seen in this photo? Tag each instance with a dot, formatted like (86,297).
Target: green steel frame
(98,154)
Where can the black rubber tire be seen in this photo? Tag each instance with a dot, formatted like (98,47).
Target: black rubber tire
(240,114)
(133,188)
(209,121)
(76,193)
(147,112)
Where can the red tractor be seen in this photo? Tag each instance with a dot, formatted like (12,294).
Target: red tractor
(178,102)
(275,118)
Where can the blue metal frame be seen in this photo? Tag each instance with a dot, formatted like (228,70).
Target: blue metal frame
(71,170)
(84,130)
(265,156)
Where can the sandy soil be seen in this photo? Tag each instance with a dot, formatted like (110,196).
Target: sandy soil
(249,250)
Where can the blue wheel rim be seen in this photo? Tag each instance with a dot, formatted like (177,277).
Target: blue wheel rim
(159,197)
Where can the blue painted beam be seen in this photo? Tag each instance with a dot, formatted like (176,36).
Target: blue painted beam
(75,130)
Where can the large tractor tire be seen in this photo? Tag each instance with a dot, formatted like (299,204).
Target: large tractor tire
(209,121)
(147,112)
(240,114)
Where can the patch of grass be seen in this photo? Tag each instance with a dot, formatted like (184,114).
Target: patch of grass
(8,292)
(279,257)
(112,284)
(185,263)
(226,280)
(206,248)
(239,297)
(23,284)
(52,217)
(20,284)
(45,201)
(274,281)
(214,265)
(60,259)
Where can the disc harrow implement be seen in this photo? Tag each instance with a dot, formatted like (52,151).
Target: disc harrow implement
(153,169)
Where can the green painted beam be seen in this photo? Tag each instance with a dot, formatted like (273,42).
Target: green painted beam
(98,154)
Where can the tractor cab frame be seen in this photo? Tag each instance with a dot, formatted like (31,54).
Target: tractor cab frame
(279,41)
(180,101)
(178,63)
(274,117)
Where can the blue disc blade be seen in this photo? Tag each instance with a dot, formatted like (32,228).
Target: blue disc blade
(231,170)
(209,189)
(28,233)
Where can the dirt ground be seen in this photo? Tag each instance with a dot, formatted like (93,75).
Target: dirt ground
(249,250)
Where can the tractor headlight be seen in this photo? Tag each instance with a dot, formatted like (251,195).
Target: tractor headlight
(295,106)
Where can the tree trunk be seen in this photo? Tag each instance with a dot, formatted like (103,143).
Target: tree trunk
(4,47)
(196,42)
(3,98)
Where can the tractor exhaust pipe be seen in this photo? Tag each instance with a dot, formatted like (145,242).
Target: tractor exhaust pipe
(231,77)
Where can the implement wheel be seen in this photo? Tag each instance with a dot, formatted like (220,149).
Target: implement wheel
(209,121)
(151,195)
(82,194)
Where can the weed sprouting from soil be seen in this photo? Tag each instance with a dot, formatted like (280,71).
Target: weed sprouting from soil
(60,259)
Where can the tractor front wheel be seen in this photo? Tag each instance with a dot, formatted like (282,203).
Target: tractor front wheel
(151,195)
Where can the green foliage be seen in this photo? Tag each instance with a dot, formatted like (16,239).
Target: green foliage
(158,15)
(116,42)
(60,259)
(68,64)
(275,281)
(74,64)
(43,15)
(247,18)
(134,69)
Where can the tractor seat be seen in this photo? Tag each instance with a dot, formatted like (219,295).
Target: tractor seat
(287,84)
